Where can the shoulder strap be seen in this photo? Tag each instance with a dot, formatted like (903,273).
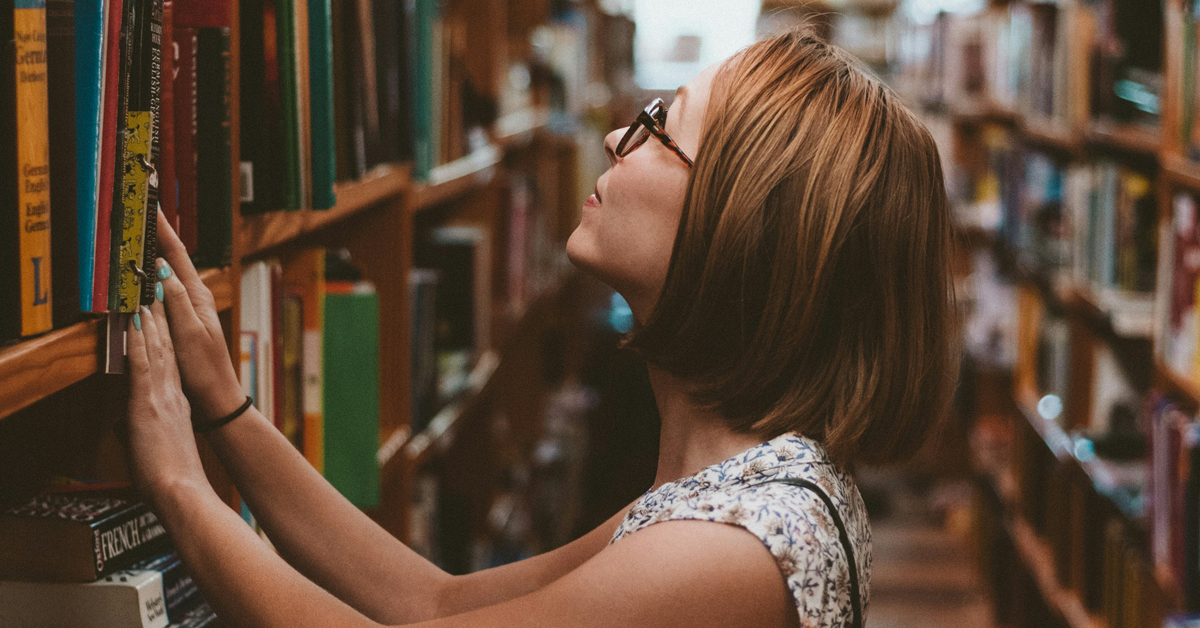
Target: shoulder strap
(855,599)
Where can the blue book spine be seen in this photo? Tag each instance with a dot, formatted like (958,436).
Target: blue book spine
(320,62)
(89,93)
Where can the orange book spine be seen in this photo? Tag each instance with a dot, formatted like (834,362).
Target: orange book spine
(33,165)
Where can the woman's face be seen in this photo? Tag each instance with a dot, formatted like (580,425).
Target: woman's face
(627,231)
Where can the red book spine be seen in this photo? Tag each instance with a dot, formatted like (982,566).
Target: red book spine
(166,154)
(203,13)
(184,92)
(277,344)
(108,156)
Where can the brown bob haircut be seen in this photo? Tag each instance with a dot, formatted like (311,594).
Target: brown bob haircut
(810,285)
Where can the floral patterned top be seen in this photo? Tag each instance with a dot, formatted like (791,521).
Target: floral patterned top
(792,522)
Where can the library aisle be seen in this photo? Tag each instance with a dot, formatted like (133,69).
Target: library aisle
(923,574)
(378,195)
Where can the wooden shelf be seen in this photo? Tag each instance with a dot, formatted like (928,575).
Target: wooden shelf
(518,128)
(1131,138)
(1179,384)
(267,231)
(449,181)
(983,111)
(39,367)
(1050,136)
(1180,171)
(1040,561)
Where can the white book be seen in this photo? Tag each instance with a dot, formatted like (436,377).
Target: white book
(126,599)
(257,335)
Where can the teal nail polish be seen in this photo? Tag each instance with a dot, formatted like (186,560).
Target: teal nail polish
(164,271)
(158,291)
(137,322)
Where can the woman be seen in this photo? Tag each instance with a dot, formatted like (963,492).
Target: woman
(782,237)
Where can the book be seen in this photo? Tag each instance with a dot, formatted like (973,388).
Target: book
(168,190)
(61,89)
(304,278)
(180,593)
(101,275)
(258,337)
(139,183)
(25,273)
(186,118)
(89,64)
(351,391)
(214,175)
(126,599)
(320,52)
(77,535)
(422,300)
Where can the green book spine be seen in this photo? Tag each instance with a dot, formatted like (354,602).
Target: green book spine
(351,399)
(320,52)
(423,140)
(285,32)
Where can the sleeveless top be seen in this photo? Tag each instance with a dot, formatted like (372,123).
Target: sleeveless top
(793,523)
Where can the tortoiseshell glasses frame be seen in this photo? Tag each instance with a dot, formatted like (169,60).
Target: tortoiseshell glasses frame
(649,122)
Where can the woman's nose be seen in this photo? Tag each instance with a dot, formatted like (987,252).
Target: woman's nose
(610,145)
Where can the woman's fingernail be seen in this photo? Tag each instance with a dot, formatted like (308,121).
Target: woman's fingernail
(158,291)
(164,271)
(137,321)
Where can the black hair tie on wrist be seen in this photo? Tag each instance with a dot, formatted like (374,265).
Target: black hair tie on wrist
(208,427)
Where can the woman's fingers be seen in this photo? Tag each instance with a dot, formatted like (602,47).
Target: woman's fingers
(139,360)
(150,333)
(176,255)
(158,310)
(178,304)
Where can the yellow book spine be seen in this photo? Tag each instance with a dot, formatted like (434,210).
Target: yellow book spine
(139,125)
(33,164)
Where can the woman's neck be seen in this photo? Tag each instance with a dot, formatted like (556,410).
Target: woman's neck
(692,437)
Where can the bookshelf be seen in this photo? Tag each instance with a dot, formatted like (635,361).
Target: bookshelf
(1066,162)
(381,217)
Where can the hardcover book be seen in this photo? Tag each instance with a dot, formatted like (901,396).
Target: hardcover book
(126,599)
(64,243)
(24,171)
(77,536)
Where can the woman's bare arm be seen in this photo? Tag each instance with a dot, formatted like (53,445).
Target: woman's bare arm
(317,530)
(341,549)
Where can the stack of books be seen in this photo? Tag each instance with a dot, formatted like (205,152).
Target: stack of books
(92,556)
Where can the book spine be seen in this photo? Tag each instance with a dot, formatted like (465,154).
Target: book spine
(303,105)
(126,57)
(167,189)
(32,167)
(351,361)
(113,16)
(288,94)
(150,234)
(119,542)
(423,138)
(254,138)
(60,89)
(186,113)
(89,111)
(178,589)
(320,47)
(214,172)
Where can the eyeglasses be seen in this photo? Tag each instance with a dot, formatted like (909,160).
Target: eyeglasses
(650,122)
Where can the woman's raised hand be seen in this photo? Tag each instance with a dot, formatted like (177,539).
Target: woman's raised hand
(162,449)
(204,365)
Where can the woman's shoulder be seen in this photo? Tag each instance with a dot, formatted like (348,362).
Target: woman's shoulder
(755,491)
